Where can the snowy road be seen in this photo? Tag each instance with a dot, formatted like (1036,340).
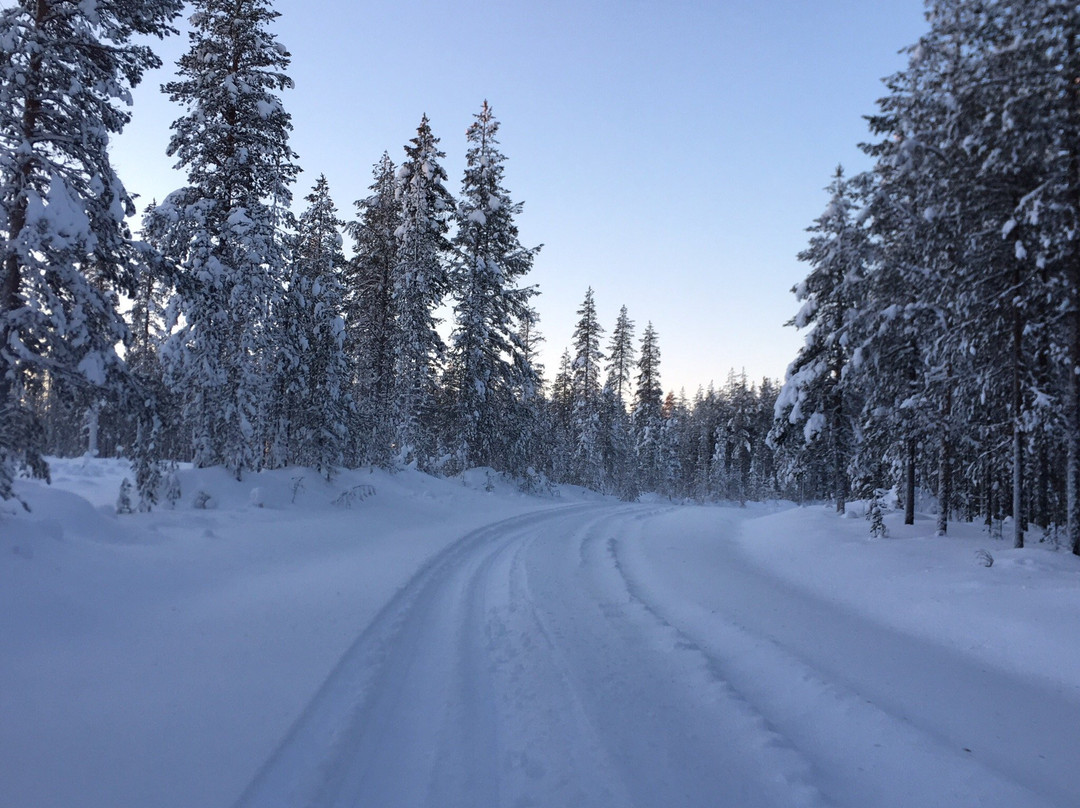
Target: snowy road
(628,655)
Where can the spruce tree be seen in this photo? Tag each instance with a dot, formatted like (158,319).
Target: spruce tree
(620,365)
(370,322)
(561,419)
(66,70)
(739,436)
(586,464)
(223,229)
(487,364)
(587,356)
(312,407)
(421,281)
(526,447)
(530,338)
(649,422)
(615,439)
(815,411)
(648,395)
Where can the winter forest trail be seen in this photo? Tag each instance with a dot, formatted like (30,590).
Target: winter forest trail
(628,655)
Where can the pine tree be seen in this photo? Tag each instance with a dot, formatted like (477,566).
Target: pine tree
(421,281)
(223,228)
(147,316)
(487,365)
(1042,70)
(150,321)
(65,70)
(369,314)
(964,315)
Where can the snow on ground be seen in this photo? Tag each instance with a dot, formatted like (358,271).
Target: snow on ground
(880,660)
(1021,613)
(156,659)
(456,643)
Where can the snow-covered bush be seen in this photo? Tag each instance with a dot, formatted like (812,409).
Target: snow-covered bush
(875,514)
(123,501)
(357,493)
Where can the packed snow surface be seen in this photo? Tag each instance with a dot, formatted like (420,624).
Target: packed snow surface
(397,640)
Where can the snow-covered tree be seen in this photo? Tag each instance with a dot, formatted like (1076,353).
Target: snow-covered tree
(615,438)
(147,318)
(311,408)
(369,314)
(962,311)
(815,411)
(620,364)
(737,439)
(66,70)
(558,445)
(223,229)
(585,384)
(421,281)
(531,424)
(1038,86)
(531,338)
(648,393)
(487,364)
(651,431)
(587,355)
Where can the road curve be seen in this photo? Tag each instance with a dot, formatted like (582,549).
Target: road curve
(541,661)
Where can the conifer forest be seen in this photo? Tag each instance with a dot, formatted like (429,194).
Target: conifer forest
(246,323)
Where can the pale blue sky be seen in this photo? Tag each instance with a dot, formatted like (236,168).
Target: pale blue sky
(669,153)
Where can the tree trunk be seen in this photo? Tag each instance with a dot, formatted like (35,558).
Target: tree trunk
(1017,428)
(24,162)
(93,417)
(1072,474)
(944,485)
(839,448)
(909,484)
(1072,421)
(1018,487)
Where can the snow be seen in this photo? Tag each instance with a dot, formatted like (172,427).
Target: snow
(814,426)
(267,108)
(1017,615)
(92,367)
(454,642)
(60,215)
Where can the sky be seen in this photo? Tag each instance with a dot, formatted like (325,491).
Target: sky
(669,153)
